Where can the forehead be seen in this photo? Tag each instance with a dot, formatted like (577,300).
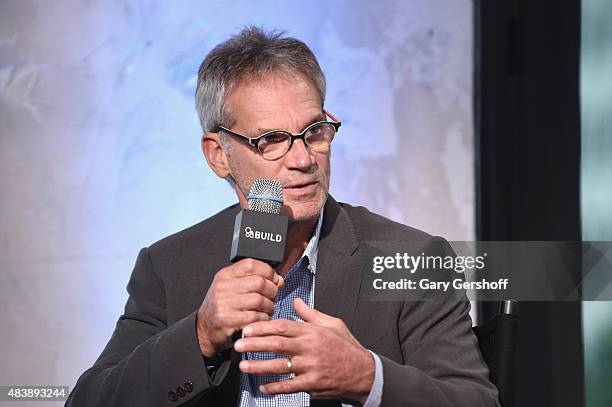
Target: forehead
(276,101)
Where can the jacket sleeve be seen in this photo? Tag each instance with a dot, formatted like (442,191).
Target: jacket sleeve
(146,358)
(442,364)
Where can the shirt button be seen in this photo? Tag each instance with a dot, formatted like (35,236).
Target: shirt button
(172,396)
(180,390)
(188,386)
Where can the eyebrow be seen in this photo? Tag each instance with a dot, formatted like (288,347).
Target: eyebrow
(318,118)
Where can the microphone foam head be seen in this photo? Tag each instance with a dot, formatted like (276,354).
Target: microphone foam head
(266,196)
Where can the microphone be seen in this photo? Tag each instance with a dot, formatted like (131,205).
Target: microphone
(260,231)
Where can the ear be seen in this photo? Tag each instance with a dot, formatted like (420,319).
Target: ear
(215,154)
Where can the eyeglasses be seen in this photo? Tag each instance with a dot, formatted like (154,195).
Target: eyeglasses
(274,144)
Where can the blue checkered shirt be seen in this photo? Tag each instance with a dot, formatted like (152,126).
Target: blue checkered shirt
(299,282)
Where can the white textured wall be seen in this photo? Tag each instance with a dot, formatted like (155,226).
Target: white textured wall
(99,143)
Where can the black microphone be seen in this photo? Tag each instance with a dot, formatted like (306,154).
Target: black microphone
(260,232)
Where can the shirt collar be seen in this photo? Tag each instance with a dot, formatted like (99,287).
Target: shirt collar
(312,249)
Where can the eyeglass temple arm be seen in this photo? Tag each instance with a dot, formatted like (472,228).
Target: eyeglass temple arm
(331,116)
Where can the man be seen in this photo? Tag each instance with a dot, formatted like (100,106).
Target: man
(309,337)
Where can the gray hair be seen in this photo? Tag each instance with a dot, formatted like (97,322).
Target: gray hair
(250,55)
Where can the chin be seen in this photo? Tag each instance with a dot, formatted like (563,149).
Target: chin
(303,211)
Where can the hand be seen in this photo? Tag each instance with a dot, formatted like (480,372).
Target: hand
(241,293)
(326,358)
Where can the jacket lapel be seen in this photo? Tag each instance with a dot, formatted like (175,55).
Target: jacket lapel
(338,276)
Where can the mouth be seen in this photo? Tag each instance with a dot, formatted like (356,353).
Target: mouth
(303,188)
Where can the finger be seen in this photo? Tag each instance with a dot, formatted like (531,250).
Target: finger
(256,302)
(297,384)
(245,318)
(266,288)
(281,281)
(250,266)
(273,366)
(277,327)
(312,315)
(278,344)
(253,284)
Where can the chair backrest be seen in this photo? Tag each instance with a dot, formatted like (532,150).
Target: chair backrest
(497,340)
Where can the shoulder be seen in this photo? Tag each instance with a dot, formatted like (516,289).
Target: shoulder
(197,235)
(368,225)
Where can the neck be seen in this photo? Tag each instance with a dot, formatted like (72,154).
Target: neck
(298,235)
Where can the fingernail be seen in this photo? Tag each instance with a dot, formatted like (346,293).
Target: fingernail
(262,389)
(238,344)
(247,330)
(276,277)
(242,365)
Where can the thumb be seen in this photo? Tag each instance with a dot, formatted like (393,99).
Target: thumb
(281,282)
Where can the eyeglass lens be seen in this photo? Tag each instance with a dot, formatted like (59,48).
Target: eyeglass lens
(317,137)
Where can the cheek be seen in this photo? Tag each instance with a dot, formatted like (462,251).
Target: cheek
(248,169)
(324,165)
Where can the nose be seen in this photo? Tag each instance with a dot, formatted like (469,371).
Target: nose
(299,156)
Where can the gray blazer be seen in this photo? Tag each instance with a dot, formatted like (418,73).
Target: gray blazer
(429,354)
